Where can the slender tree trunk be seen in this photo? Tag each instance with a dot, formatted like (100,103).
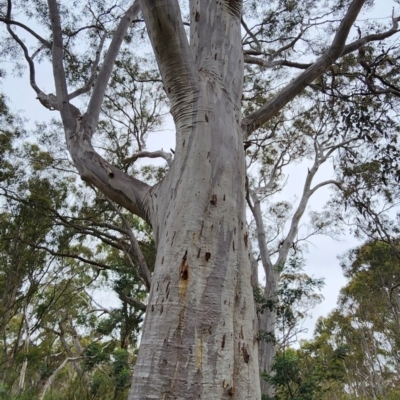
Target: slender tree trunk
(199,337)
(267,346)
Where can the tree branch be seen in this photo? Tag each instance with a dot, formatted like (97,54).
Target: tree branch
(261,239)
(93,73)
(271,64)
(307,192)
(133,302)
(53,376)
(96,264)
(175,61)
(328,182)
(58,68)
(9,21)
(268,110)
(251,34)
(31,65)
(137,251)
(118,186)
(100,87)
(151,154)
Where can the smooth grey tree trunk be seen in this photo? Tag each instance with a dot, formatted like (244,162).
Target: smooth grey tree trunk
(199,337)
(267,348)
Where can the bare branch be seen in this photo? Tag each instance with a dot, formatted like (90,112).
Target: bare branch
(9,21)
(99,89)
(93,74)
(137,251)
(261,239)
(294,226)
(31,65)
(251,34)
(328,182)
(174,57)
(151,154)
(118,186)
(351,47)
(96,264)
(58,67)
(271,64)
(53,376)
(288,46)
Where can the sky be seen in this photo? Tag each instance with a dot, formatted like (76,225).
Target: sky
(322,257)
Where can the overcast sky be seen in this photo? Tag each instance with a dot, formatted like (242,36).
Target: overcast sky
(322,258)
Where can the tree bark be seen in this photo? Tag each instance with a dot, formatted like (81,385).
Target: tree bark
(199,337)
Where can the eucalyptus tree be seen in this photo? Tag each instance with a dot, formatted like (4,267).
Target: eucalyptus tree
(366,322)
(228,71)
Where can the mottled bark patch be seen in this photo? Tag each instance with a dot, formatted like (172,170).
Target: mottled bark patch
(199,354)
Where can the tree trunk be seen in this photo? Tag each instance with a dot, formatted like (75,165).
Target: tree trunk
(267,346)
(199,337)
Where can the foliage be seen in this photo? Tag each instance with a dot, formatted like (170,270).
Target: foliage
(297,294)
(54,329)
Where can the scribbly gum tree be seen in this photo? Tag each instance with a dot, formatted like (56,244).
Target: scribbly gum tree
(200,335)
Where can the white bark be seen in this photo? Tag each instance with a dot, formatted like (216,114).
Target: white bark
(22,374)
(54,375)
(199,338)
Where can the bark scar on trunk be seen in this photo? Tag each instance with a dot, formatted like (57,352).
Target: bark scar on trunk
(231,391)
(213,200)
(183,275)
(246,355)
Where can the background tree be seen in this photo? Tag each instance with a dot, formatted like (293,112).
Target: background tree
(366,323)
(57,338)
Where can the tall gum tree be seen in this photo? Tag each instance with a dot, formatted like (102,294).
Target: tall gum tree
(199,337)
